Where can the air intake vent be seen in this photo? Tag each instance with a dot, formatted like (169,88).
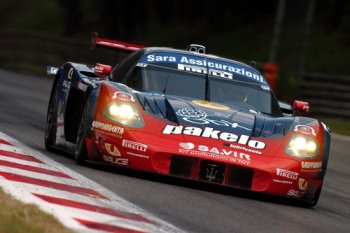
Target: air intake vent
(183,167)
(240,177)
(196,48)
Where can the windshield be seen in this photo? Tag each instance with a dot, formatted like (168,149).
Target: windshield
(160,79)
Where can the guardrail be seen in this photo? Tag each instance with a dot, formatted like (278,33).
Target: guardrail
(41,49)
(327,94)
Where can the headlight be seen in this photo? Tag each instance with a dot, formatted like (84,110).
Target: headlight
(302,146)
(124,114)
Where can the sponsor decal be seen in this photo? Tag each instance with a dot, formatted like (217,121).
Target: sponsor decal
(60,129)
(265,87)
(107,127)
(112,150)
(66,84)
(295,193)
(199,117)
(302,184)
(134,145)
(140,64)
(208,132)
(243,148)
(82,86)
(213,150)
(93,84)
(311,165)
(70,73)
(123,96)
(203,65)
(98,69)
(115,160)
(189,148)
(137,155)
(287,174)
(186,145)
(155,58)
(283,181)
(211,105)
(304,129)
(204,70)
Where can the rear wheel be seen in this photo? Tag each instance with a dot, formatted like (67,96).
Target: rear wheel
(51,120)
(80,154)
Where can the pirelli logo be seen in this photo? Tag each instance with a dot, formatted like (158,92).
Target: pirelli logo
(134,145)
(287,174)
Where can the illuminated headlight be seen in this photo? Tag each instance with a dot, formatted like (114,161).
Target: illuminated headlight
(302,146)
(124,114)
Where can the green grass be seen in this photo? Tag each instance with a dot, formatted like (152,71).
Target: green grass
(337,125)
(17,217)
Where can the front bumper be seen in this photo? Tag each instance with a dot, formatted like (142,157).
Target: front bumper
(259,174)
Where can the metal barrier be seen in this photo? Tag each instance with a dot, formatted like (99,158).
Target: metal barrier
(327,94)
(41,49)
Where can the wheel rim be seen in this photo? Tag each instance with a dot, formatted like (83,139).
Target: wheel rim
(50,120)
(80,152)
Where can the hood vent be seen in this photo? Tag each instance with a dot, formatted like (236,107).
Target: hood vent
(233,120)
(158,106)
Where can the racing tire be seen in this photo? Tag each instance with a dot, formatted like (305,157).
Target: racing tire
(51,120)
(80,154)
(313,201)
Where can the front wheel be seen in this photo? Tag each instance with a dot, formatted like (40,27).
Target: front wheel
(51,120)
(313,201)
(80,154)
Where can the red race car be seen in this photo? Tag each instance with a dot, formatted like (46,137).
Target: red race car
(187,114)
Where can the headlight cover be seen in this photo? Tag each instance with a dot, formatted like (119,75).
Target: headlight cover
(302,146)
(125,114)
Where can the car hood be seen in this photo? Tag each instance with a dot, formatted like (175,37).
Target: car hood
(186,112)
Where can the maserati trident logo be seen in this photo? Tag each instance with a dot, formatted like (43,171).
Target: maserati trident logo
(211,173)
(197,116)
(191,113)
(302,184)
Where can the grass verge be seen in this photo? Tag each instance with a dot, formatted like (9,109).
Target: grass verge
(337,125)
(17,217)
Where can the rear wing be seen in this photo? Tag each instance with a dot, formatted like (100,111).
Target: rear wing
(98,42)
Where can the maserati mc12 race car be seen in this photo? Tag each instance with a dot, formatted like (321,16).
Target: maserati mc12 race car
(187,114)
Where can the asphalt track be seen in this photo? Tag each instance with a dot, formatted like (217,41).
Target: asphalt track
(190,206)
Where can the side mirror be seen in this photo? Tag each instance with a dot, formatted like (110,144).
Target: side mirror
(286,108)
(102,70)
(300,108)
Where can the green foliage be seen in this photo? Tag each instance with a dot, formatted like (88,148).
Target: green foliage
(328,52)
(43,15)
(288,88)
(16,217)
(337,125)
(237,29)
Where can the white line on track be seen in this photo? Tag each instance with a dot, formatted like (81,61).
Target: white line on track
(79,203)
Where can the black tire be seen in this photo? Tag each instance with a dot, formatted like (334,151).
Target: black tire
(80,154)
(313,201)
(51,120)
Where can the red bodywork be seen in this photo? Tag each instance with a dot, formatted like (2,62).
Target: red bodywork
(269,170)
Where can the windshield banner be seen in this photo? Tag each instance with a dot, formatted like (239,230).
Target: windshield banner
(203,65)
